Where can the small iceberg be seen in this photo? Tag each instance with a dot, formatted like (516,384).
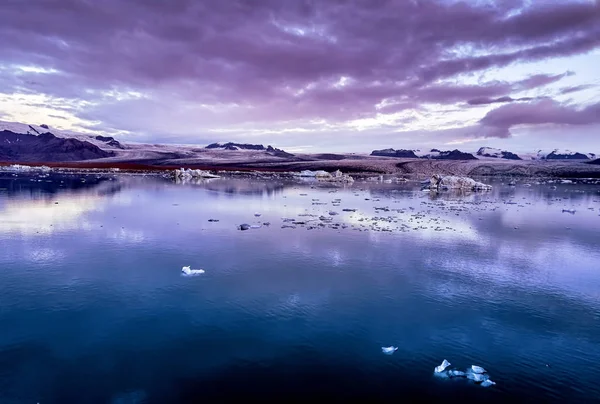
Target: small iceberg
(389,350)
(475,373)
(477,377)
(442,367)
(571,211)
(487,383)
(478,369)
(244,226)
(456,373)
(187,271)
(255,226)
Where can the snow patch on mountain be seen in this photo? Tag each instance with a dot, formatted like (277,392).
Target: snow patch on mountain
(497,153)
(562,154)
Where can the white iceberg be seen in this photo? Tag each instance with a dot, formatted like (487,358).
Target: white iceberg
(24,168)
(487,383)
(389,350)
(478,369)
(448,182)
(442,367)
(456,373)
(477,377)
(189,173)
(187,271)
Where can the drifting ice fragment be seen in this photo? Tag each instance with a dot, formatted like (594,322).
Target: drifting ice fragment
(478,369)
(256,226)
(456,373)
(187,271)
(244,226)
(571,211)
(388,350)
(442,367)
(487,383)
(477,377)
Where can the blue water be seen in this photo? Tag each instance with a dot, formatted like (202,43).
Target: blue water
(94,309)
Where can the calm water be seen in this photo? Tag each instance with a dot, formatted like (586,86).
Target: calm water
(94,309)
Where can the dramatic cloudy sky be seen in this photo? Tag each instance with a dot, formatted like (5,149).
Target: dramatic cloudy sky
(308,75)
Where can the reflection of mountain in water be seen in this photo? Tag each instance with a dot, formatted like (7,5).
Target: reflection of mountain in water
(239,186)
(51,183)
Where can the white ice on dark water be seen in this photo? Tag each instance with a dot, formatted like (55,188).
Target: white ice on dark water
(487,383)
(475,373)
(456,373)
(389,350)
(442,367)
(187,271)
(478,369)
(477,377)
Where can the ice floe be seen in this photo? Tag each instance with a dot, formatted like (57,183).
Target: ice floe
(187,271)
(25,169)
(389,350)
(478,369)
(442,367)
(189,173)
(446,182)
(475,373)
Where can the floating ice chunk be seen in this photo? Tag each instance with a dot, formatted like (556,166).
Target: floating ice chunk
(571,211)
(478,369)
(256,226)
(389,350)
(257,214)
(442,367)
(187,271)
(456,373)
(244,226)
(477,377)
(487,383)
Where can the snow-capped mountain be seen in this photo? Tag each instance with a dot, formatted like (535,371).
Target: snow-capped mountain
(497,153)
(250,147)
(437,154)
(45,147)
(402,153)
(434,154)
(104,142)
(563,154)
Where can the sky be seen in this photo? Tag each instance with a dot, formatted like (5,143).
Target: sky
(308,75)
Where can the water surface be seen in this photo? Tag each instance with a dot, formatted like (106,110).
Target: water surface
(94,309)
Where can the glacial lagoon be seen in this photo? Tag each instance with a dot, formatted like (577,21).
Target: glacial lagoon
(94,307)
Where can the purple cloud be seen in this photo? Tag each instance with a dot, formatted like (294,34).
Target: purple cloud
(498,122)
(574,89)
(242,61)
(499,100)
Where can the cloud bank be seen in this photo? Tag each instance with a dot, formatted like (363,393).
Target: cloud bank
(282,70)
